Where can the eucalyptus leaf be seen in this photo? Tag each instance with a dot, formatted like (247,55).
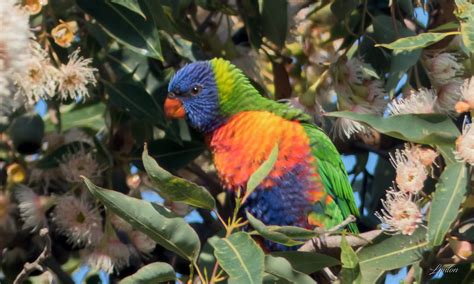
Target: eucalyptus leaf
(240,257)
(416,42)
(350,262)
(465,14)
(169,231)
(391,252)
(151,273)
(307,262)
(450,192)
(431,129)
(127,27)
(133,98)
(282,270)
(87,116)
(274,20)
(175,188)
(271,235)
(132,5)
(262,172)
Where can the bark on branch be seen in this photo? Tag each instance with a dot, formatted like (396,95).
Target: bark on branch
(38,263)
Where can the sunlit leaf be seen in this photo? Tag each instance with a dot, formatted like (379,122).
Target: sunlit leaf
(151,273)
(262,172)
(272,234)
(281,268)
(240,257)
(175,188)
(415,42)
(450,192)
(169,231)
(432,129)
(391,252)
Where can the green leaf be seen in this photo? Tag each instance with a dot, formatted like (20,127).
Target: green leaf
(240,257)
(89,116)
(53,159)
(465,14)
(431,129)
(307,262)
(171,155)
(132,5)
(134,99)
(340,8)
(175,188)
(151,273)
(171,232)
(416,42)
(391,252)
(271,233)
(125,26)
(400,62)
(274,19)
(350,262)
(281,268)
(450,192)
(262,172)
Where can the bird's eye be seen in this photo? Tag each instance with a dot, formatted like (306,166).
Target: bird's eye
(171,95)
(195,90)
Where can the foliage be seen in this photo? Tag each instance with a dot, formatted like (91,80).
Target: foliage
(103,146)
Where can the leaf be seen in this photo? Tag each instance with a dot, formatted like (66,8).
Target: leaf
(53,159)
(262,172)
(240,257)
(171,155)
(135,32)
(88,116)
(307,262)
(400,62)
(340,8)
(132,5)
(281,268)
(175,188)
(171,232)
(415,42)
(465,14)
(134,99)
(151,273)
(350,262)
(274,18)
(391,252)
(450,192)
(431,129)
(271,235)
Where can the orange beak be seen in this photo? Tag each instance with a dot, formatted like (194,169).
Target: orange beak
(174,108)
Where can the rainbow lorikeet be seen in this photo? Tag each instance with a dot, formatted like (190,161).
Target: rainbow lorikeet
(308,185)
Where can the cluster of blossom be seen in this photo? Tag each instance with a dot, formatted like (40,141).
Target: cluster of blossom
(358,90)
(26,69)
(55,197)
(449,88)
(73,214)
(401,213)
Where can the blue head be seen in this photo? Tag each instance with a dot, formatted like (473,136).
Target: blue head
(193,93)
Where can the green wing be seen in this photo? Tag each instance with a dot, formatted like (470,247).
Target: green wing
(334,177)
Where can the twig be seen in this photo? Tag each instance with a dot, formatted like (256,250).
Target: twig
(37,264)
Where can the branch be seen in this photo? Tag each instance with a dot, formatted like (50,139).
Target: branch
(37,264)
(326,243)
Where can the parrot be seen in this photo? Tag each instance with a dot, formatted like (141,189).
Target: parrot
(308,185)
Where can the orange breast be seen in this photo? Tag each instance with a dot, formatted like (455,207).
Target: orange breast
(242,144)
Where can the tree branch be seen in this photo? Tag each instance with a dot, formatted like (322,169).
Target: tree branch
(332,244)
(37,264)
